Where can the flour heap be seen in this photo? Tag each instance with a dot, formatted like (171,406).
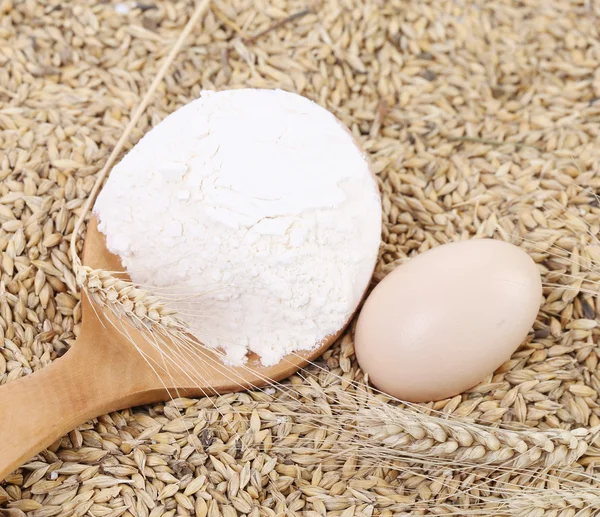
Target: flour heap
(255,212)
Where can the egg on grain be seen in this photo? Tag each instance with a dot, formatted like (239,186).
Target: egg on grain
(442,322)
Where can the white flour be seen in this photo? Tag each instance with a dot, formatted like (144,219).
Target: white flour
(256,212)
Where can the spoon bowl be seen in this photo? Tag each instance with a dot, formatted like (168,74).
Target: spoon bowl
(113,366)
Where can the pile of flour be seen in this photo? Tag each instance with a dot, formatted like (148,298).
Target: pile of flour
(256,214)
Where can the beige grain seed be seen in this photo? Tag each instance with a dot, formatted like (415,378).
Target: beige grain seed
(446,171)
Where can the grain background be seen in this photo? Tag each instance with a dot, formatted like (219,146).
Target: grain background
(481,120)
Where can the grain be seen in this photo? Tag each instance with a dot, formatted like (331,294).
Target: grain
(481,119)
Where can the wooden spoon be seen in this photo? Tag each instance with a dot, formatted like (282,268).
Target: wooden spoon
(103,372)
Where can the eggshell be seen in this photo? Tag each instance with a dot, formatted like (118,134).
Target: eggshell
(442,322)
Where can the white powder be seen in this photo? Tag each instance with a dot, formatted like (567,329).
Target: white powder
(122,8)
(256,211)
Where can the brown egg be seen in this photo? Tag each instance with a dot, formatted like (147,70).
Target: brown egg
(442,322)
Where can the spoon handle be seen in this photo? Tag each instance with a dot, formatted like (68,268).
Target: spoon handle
(38,409)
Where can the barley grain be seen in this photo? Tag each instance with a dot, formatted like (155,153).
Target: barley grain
(469,136)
